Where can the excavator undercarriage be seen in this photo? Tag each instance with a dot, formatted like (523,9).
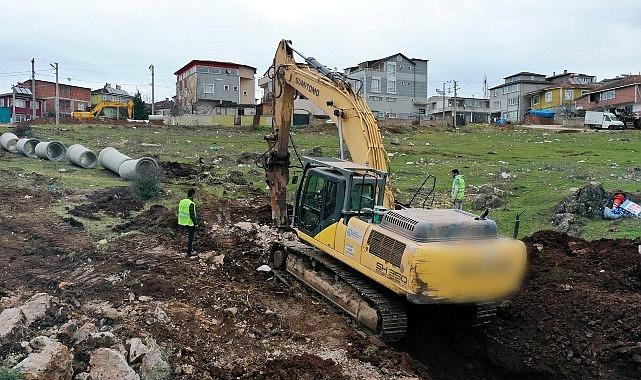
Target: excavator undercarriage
(373,307)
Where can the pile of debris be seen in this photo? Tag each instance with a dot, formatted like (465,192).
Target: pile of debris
(488,196)
(591,201)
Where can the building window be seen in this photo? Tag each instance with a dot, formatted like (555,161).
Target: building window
(479,104)
(376,84)
(503,90)
(226,87)
(208,88)
(548,96)
(391,67)
(1,102)
(569,95)
(21,103)
(497,104)
(513,101)
(518,87)
(81,106)
(235,88)
(244,93)
(391,86)
(607,95)
(391,99)
(391,115)
(375,98)
(536,100)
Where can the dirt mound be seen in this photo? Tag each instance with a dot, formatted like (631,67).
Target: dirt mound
(155,219)
(119,202)
(587,201)
(174,169)
(304,366)
(371,350)
(578,314)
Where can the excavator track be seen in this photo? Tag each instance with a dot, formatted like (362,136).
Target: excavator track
(378,310)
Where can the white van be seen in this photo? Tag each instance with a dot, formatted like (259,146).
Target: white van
(602,120)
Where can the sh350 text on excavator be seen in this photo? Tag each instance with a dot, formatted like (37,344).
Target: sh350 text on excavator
(358,247)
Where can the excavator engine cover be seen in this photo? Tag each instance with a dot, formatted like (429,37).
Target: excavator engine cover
(428,225)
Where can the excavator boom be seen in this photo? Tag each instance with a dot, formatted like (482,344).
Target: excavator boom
(333,93)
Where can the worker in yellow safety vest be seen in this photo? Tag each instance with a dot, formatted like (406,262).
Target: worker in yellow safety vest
(187,218)
(458,189)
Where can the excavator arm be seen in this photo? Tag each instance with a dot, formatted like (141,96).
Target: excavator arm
(333,93)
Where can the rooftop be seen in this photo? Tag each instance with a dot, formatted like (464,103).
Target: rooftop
(49,82)
(524,73)
(375,61)
(201,62)
(628,80)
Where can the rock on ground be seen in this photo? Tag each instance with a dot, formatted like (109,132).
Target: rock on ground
(36,307)
(107,364)
(12,321)
(137,350)
(568,223)
(51,361)
(154,367)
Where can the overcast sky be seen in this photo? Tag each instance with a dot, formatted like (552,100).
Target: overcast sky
(116,41)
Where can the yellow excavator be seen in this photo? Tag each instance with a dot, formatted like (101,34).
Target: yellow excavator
(359,248)
(95,111)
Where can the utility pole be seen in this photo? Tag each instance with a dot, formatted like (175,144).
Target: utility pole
(442,92)
(57,105)
(33,88)
(151,67)
(454,105)
(13,104)
(485,86)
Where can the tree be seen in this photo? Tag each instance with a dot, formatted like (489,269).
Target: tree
(141,111)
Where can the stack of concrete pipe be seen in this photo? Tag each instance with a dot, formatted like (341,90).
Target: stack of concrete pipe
(50,150)
(126,167)
(8,142)
(81,156)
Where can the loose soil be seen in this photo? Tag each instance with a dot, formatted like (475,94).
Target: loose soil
(118,202)
(578,314)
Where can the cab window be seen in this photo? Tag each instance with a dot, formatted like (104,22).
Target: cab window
(362,196)
(312,202)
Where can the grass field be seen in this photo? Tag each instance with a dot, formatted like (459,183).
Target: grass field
(543,165)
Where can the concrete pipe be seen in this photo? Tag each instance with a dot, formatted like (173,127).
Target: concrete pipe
(82,156)
(111,159)
(144,167)
(8,141)
(51,150)
(27,146)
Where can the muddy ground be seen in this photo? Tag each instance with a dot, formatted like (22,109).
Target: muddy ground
(215,316)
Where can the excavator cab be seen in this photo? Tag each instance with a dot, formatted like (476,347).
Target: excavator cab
(332,189)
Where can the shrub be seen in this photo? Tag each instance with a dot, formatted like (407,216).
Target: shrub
(147,187)
(9,374)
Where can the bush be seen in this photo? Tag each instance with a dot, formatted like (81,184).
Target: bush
(147,187)
(9,374)
(24,130)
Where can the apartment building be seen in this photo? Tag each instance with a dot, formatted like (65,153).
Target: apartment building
(214,87)
(509,101)
(472,110)
(394,87)
(559,97)
(71,98)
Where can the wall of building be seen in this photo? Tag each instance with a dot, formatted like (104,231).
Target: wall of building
(411,88)
(72,98)
(622,96)
(247,91)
